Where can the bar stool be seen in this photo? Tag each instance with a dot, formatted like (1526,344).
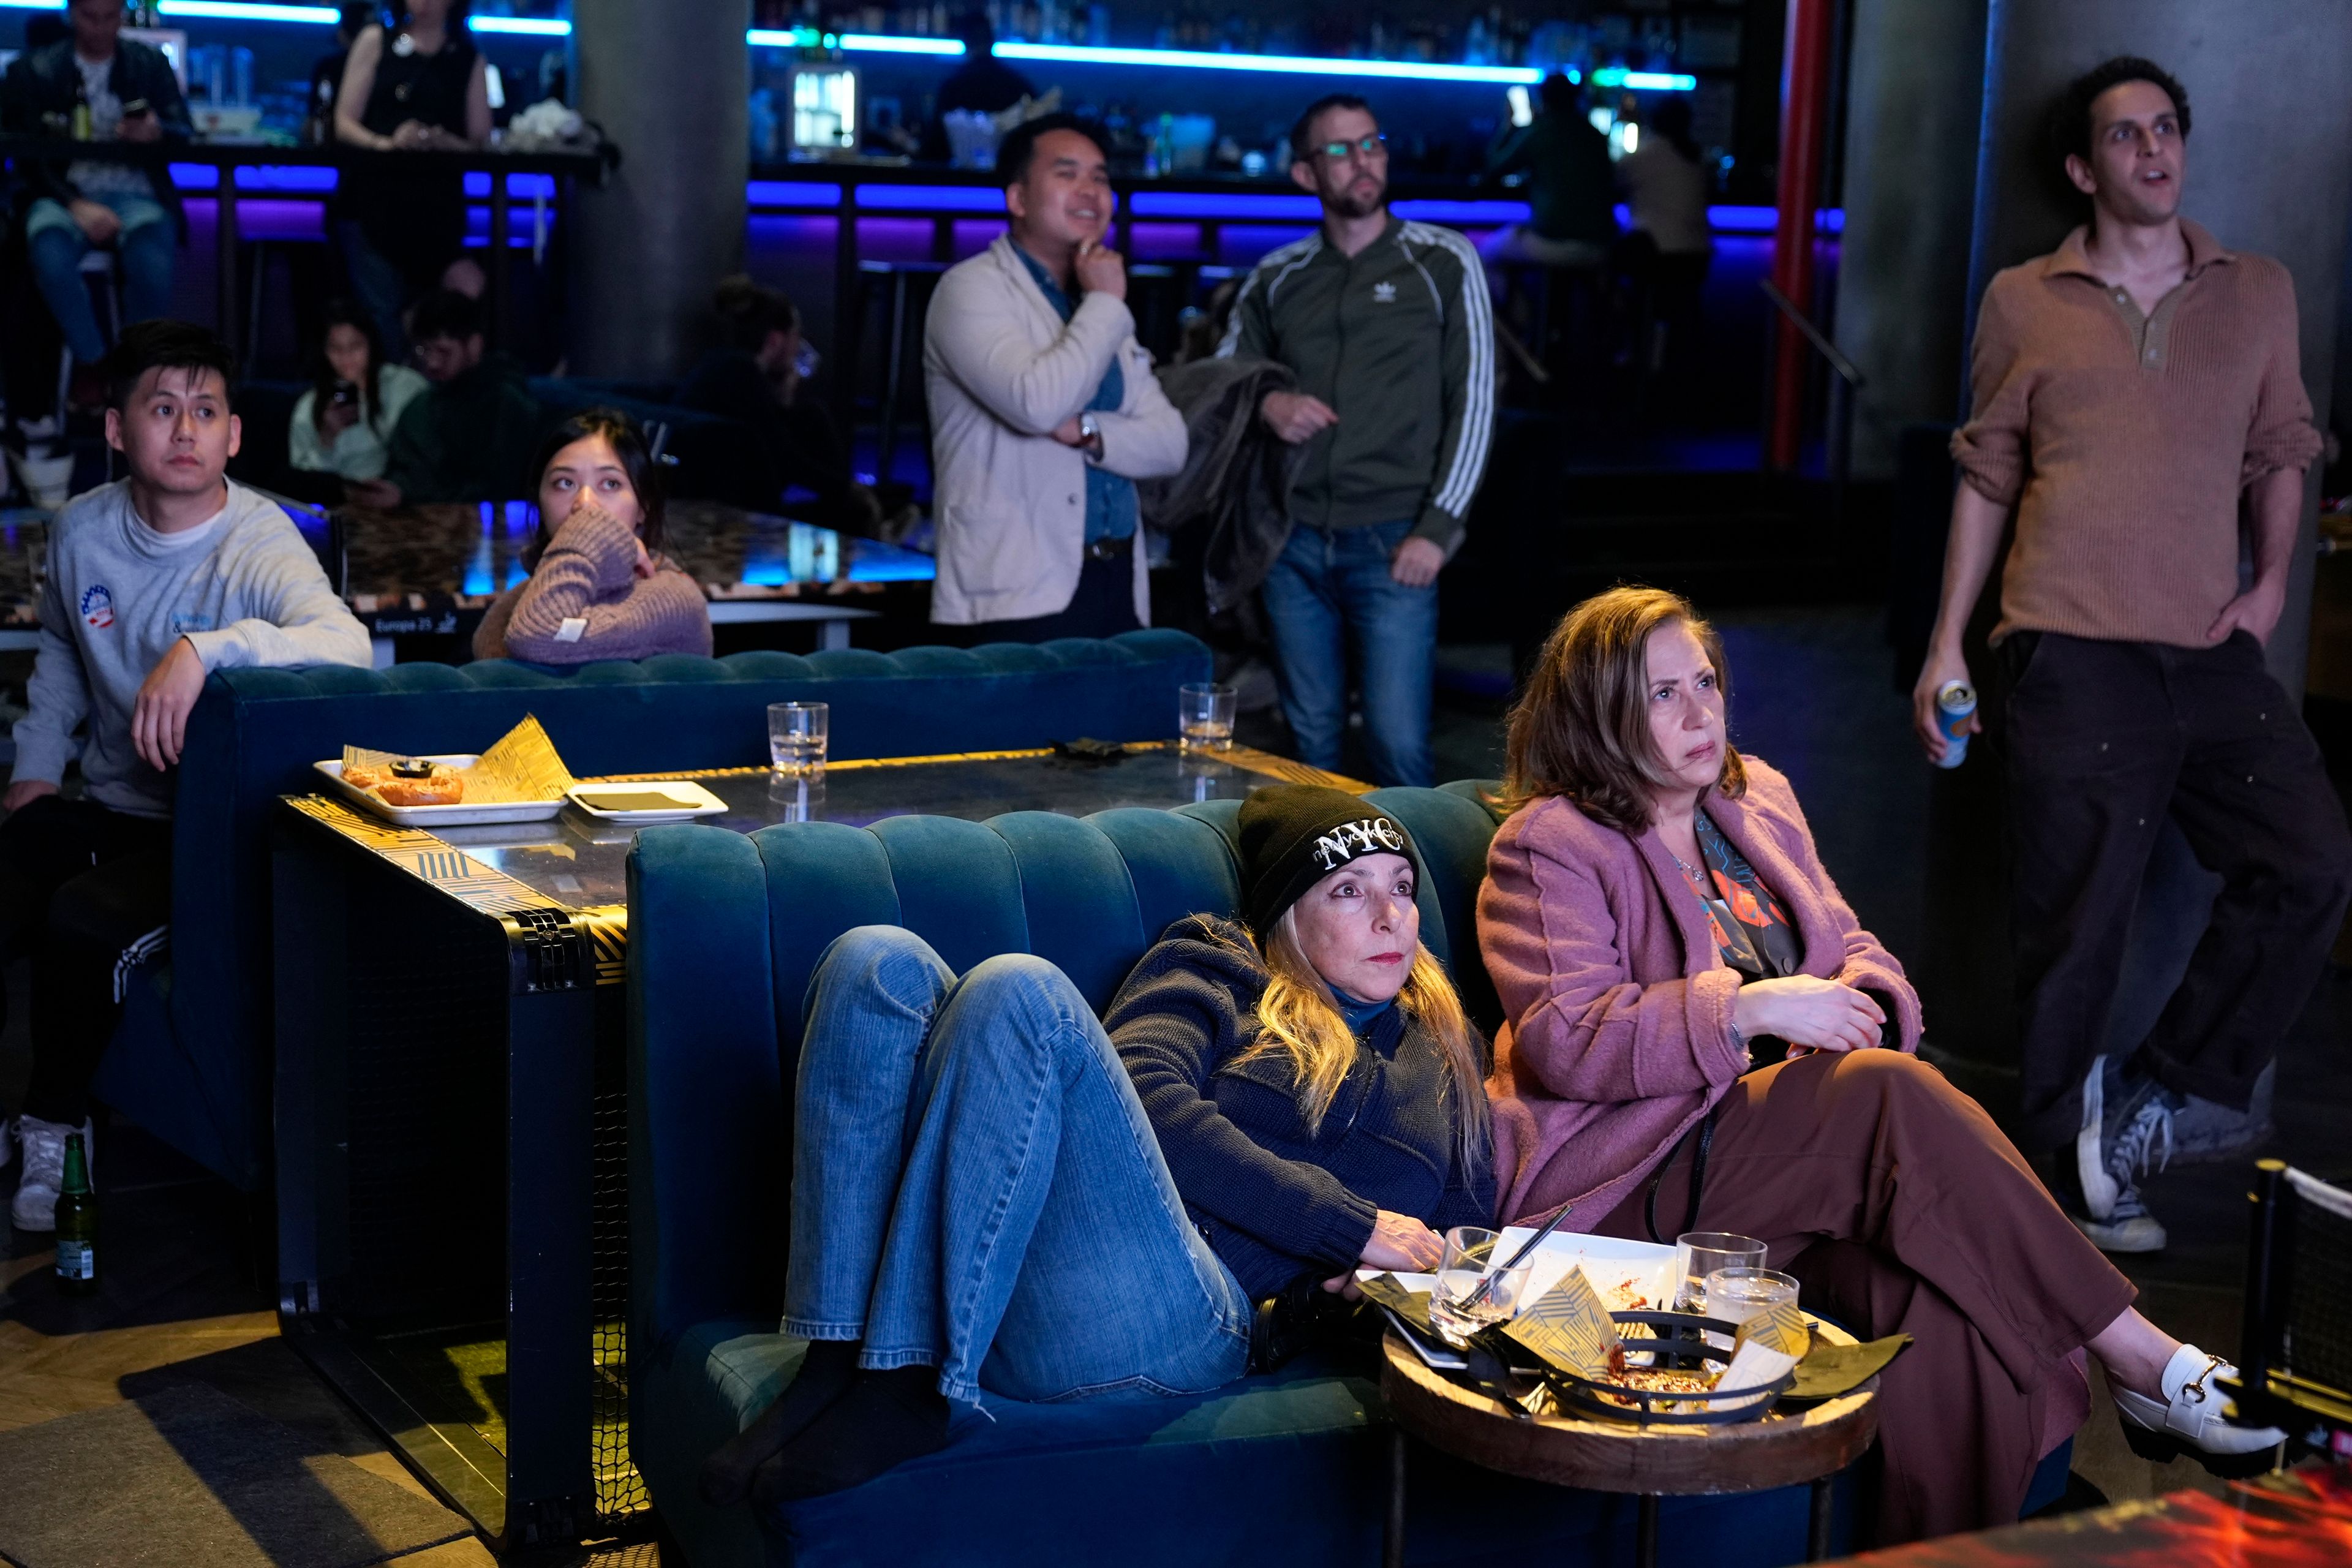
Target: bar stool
(905,290)
(103,279)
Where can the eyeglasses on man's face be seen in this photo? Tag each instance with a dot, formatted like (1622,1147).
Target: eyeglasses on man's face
(1373,146)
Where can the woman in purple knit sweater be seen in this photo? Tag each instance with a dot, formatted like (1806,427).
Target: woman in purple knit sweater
(599,587)
(1699,1035)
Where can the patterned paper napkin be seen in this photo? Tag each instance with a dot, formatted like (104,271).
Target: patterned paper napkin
(1768,1344)
(1569,1328)
(521,766)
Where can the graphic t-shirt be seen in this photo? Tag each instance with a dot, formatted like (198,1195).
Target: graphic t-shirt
(95,177)
(1751,931)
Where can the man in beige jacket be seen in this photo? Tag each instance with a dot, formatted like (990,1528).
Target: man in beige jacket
(1043,410)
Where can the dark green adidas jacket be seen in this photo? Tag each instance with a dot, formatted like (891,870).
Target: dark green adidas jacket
(1399,341)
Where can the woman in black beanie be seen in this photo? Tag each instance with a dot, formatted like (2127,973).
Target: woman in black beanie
(991,1188)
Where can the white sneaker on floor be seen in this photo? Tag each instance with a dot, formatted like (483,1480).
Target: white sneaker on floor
(2109,1159)
(2194,1419)
(44,1142)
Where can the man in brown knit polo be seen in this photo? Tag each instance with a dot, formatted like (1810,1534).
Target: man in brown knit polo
(2131,390)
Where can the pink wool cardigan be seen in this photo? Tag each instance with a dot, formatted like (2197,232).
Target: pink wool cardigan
(1618,1032)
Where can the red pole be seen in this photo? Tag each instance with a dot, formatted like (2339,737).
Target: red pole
(1804,91)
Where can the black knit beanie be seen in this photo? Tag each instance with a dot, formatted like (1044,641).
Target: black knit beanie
(1294,835)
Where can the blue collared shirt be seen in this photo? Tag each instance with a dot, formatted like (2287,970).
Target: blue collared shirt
(1111,498)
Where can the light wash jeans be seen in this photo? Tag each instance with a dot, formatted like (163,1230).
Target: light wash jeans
(143,250)
(1327,596)
(975,1187)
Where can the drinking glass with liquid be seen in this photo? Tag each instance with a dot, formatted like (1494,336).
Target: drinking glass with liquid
(1474,1256)
(796,737)
(1698,1254)
(1204,716)
(1738,1294)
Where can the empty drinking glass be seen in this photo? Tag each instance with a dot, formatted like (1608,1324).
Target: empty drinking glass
(1738,1294)
(1204,716)
(796,735)
(1700,1253)
(1473,1256)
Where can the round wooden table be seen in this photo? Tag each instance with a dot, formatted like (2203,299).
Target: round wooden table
(1803,1445)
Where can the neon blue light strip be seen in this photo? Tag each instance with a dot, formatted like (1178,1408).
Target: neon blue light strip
(881,43)
(1067,54)
(1296,65)
(1644,81)
(931,199)
(237,11)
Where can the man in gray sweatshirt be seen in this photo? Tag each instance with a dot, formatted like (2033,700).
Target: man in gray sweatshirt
(154,582)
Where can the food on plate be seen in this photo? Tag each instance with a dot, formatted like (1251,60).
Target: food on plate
(444,787)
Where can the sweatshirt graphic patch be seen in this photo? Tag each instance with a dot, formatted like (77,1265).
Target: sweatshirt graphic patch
(98,606)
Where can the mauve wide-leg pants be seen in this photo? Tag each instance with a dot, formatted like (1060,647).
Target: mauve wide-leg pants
(1901,1208)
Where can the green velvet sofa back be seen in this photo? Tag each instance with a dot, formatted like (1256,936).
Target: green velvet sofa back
(191,1060)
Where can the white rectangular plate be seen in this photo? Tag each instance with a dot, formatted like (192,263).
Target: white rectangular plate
(462,814)
(1607,1263)
(660,795)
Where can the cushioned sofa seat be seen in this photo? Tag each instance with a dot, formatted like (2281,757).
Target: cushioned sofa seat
(201,1081)
(1287,1468)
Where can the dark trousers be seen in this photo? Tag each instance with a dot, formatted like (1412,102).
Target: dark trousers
(86,893)
(2103,741)
(1902,1210)
(1103,606)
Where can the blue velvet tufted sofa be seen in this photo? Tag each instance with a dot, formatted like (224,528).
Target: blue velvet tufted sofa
(190,1061)
(1285,1468)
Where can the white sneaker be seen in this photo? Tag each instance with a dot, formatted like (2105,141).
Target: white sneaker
(2194,1419)
(35,1204)
(2111,1153)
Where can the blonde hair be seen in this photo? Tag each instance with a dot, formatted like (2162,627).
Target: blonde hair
(1298,1017)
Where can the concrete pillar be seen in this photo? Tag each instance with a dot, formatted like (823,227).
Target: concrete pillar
(671,84)
(1915,103)
(2269,170)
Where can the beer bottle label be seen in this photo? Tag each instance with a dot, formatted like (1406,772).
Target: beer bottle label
(76,1260)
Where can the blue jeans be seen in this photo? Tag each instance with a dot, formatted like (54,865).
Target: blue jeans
(143,250)
(975,1187)
(1329,595)
(378,286)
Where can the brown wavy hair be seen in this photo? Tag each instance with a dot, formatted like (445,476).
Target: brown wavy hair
(1581,728)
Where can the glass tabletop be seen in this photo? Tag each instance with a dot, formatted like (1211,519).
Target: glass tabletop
(580,861)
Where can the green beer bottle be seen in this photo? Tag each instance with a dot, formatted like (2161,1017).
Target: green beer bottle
(77,1225)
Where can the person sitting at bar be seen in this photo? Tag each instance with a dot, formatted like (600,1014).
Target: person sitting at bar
(1045,411)
(1658,923)
(982,84)
(754,377)
(342,426)
(599,587)
(419,84)
(470,437)
(1571,185)
(126,92)
(961,1139)
(153,582)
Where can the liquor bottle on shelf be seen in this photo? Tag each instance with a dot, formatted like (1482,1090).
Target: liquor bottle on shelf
(77,1225)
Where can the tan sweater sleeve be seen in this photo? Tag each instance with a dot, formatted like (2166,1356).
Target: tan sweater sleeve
(2280,434)
(1990,448)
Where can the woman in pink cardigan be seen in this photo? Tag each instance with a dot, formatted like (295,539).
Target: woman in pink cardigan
(599,587)
(1657,920)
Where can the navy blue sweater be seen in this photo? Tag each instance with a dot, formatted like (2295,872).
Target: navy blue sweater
(1273,1200)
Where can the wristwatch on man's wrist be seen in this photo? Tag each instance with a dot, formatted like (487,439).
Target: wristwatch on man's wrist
(1090,436)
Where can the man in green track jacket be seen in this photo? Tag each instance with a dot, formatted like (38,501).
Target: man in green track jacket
(1387,325)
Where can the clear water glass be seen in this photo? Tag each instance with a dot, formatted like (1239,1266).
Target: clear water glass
(796,737)
(1736,1295)
(1700,1253)
(1474,1256)
(1204,716)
